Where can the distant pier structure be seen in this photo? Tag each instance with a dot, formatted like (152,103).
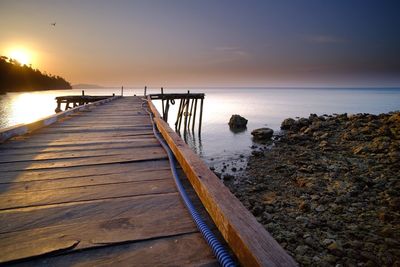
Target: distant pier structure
(187,111)
(72,101)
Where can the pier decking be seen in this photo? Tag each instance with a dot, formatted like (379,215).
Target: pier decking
(100,180)
(96,190)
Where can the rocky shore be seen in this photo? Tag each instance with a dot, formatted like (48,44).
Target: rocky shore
(328,189)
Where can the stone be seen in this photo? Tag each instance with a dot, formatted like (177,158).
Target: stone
(288,124)
(262,133)
(320,208)
(302,122)
(301,250)
(327,241)
(237,121)
(335,246)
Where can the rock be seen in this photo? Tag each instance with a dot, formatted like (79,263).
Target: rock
(335,248)
(267,216)
(327,241)
(262,133)
(237,121)
(301,250)
(320,208)
(288,124)
(228,177)
(302,122)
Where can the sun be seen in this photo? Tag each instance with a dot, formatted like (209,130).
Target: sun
(21,55)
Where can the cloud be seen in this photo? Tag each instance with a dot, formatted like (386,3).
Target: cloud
(231,50)
(325,39)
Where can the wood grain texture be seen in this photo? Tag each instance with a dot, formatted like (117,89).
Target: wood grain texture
(95,189)
(250,242)
(180,250)
(82,171)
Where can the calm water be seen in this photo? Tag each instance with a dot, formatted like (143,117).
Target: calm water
(262,107)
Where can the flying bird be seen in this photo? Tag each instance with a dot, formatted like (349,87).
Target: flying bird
(53,24)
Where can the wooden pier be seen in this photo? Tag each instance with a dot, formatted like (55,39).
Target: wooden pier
(72,101)
(91,186)
(185,114)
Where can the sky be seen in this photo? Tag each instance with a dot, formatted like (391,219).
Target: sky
(208,42)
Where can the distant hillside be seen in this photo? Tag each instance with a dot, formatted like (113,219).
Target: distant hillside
(86,86)
(15,77)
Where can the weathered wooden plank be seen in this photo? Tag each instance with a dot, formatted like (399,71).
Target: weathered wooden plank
(93,125)
(135,176)
(41,246)
(156,153)
(16,220)
(11,200)
(72,146)
(91,136)
(82,171)
(61,155)
(99,130)
(251,243)
(29,143)
(182,250)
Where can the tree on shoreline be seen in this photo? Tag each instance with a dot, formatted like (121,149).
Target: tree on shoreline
(15,77)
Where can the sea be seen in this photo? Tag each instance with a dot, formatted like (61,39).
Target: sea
(217,143)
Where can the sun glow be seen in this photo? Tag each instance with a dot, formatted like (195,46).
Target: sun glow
(21,55)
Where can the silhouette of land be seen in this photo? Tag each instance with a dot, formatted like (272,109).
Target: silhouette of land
(15,77)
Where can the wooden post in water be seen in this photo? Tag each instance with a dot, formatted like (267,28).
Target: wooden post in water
(178,115)
(181,113)
(191,112)
(166,111)
(194,115)
(162,103)
(201,115)
(187,109)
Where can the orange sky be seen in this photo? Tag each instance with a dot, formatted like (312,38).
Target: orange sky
(207,43)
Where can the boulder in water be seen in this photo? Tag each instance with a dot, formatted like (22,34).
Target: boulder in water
(262,133)
(237,121)
(288,124)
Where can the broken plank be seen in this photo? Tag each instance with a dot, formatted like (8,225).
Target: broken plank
(182,250)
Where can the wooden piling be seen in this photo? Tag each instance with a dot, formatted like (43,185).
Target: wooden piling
(187,109)
(178,115)
(191,111)
(201,115)
(162,103)
(194,115)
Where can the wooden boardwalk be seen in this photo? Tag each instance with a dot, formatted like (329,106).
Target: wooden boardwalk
(94,190)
